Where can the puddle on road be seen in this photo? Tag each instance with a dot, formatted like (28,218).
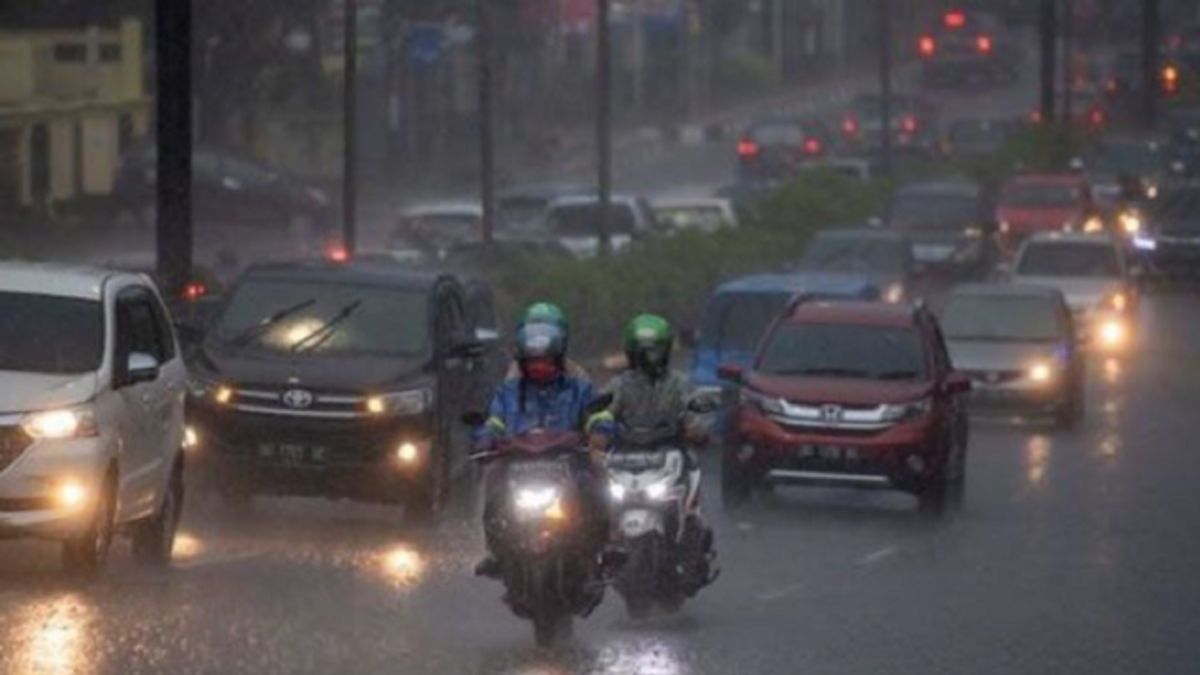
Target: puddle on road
(50,638)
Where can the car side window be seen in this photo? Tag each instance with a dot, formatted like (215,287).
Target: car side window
(449,319)
(162,324)
(137,327)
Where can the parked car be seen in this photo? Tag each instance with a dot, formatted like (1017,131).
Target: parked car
(339,380)
(574,222)
(850,394)
(913,127)
(1092,272)
(226,189)
(1017,344)
(883,257)
(968,46)
(92,433)
(524,207)
(775,148)
(1168,247)
(738,313)
(949,223)
(977,137)
(1034,203)
(704,214)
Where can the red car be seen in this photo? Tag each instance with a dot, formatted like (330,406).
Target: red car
(1034,203)
(850,394)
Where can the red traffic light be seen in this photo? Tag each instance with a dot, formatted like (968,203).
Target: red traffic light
(955,19)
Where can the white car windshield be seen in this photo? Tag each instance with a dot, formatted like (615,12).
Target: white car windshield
(49,334)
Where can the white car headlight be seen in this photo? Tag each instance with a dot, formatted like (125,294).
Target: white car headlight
(616,491)
(411,402)
(894,293)
(61,424)
(902,412)
(535,498)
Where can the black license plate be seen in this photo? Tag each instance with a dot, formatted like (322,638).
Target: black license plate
(831,453)
(293,454)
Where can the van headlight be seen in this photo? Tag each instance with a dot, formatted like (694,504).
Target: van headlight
(61,424)
(409,402)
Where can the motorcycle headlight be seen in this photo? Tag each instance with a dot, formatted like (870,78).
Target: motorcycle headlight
(616,491)
(894,293)
(1131,222)
(1004,227)
(61,424)
(903,412)
(411,402)
(1092,225)
(1117,301)
(1144,243)
(661,491)
(534,499)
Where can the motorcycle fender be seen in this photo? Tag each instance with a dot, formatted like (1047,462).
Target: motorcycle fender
(639,522)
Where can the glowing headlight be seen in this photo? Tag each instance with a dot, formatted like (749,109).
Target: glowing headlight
(59,424)
(223,395)
(1131,223)
(973,232)
(1112,333)
(408,453)
(894,293)
(536,499)
(413,402)
(658,491)
(902,412)
(191,439)
(1144,243)
(1152,191)
(1004,227)
(617,492)
(71,495)
(1041,373)
(1117,301)
(1093,224)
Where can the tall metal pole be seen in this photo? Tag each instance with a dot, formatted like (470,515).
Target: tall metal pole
(885,85)
(487,154)
(1068,59)
(1151,28)
(1048,34)
(777,36)
(173,27)
(350,127)
(603,121)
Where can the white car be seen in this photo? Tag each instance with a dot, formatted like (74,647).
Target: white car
(703,214)
(431,229)
(1093,275)
(92,390)
(573,222)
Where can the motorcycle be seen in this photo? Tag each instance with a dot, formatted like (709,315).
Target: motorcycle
(539,526)
(655,492)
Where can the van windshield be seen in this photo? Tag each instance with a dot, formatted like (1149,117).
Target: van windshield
(50,334)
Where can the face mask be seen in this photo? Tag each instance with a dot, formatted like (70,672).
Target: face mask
(541,371)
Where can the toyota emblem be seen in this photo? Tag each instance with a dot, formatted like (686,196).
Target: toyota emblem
(831,413)
(297,399)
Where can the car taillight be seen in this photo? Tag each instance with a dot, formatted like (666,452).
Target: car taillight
(908,124)
(747,148)
(1170,79)
(1111,85)
(850,126)
(927,46)
(812,146)
(954,19)
(194,291)
(337,253)
(1096,117)
(1035,117)
(984,44)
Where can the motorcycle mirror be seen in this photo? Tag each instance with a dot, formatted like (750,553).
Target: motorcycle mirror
(599,404)
(474,418)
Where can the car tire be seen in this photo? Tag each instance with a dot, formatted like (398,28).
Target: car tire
(736,486)
(154,538)
(85,555)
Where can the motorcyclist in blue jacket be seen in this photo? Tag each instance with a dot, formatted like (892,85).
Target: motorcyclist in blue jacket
(544,396)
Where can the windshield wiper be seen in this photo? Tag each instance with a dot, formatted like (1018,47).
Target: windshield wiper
(243,338)
(321,335)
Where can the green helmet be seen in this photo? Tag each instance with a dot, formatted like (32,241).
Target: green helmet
(648,342)
(546,313)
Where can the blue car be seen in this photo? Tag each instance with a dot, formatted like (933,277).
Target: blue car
(739,312)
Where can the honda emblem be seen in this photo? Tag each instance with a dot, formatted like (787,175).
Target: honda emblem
(831,413)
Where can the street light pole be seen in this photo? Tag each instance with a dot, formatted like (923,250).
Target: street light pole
(487,155)
(350,127)
(603,121)
(885,85)
(1150,61)
(1048,30)
(173,28)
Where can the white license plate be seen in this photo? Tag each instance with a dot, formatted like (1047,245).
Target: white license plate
(635,523)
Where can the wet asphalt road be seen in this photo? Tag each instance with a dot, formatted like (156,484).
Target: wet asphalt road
(1076,553)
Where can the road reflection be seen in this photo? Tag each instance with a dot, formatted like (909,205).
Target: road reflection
(1037,456)
(52,637)
(646,657)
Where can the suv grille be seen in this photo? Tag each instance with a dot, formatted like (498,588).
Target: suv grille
(299,402)
(13,441)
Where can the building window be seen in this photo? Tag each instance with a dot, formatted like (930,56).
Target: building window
(110,52)
(70,52)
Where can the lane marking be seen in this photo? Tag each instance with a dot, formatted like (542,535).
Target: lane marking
(780,593)
(877,556)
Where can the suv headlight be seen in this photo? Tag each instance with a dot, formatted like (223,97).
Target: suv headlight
(61,424)
(409,402)
(1117,301)
(903,412)
(762,402)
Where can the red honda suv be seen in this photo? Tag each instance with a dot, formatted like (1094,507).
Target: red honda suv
(850,394)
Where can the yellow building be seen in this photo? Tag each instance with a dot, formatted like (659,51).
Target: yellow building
(71,101)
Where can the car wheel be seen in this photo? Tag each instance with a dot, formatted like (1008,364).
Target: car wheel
(736,486)
(154,538)
(85,555)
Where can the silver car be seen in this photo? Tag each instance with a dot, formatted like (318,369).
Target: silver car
(1017,345)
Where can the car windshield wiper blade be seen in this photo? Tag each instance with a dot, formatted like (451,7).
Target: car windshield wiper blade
(321,335)
(243,338)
